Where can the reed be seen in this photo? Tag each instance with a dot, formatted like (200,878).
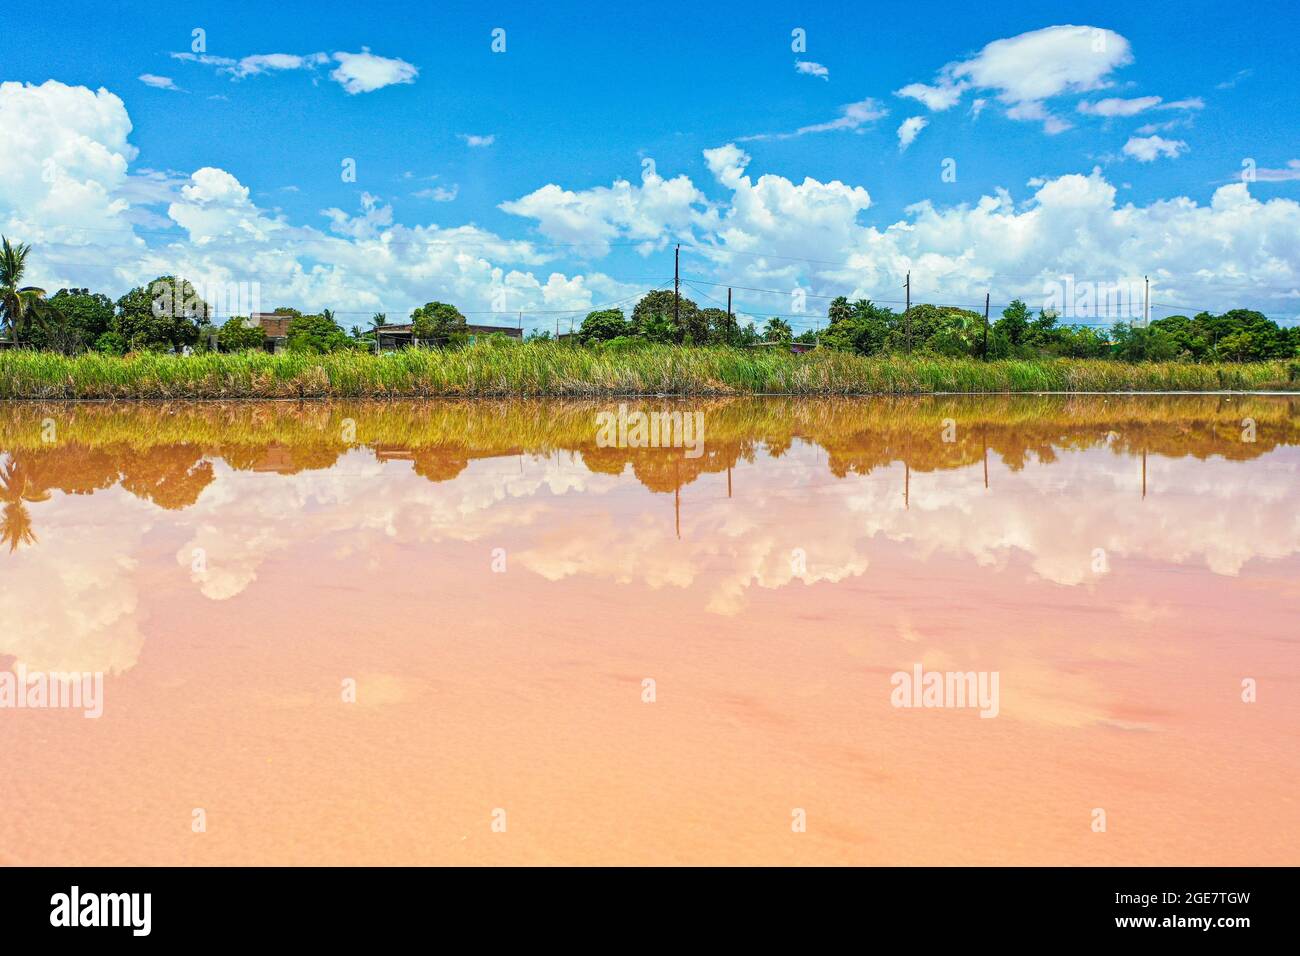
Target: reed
(554,369)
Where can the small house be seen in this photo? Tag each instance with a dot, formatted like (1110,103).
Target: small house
(400,336)
(276,327)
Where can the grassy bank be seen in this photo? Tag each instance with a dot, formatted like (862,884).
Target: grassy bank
(543,369)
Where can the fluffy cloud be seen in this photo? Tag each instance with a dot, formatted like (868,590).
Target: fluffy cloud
(1146,149)
(908,131)
(936,98)
(66,187)
(214,205)
(1044,63)
(809,68)
(727,164)
(364,72)
(778,234)
(594,217)
(64,160)
(1025,70)
(474,141)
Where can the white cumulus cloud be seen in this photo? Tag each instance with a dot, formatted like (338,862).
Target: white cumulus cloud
(909,130)
(1146,149)
(1024,71)
(809,68)
(364,72)
(936,98)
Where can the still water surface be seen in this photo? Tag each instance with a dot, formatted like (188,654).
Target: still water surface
(500,588)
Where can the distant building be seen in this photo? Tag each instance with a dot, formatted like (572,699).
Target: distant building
(400,336)
(797,348)
(276,327)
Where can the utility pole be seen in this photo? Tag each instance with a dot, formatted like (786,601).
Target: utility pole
(1146,301)
(557,328)
(985,442)
(677,285)
(907,319)
(985,353)
(731,319)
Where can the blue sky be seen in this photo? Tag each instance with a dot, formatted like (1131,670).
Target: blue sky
(582,98)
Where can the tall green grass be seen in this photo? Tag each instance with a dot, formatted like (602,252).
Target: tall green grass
(553,369)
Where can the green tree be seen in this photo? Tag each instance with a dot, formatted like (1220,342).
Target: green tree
(839,311)
(111,343)
(863,327)
(79,318)
(659,328)
(440,324)
(748,335)
(1136,343)
(777,330)
(718,326)
(235,335)
(162,316)
(315,333)
(653,317)
(1014,323)
(1081,341)
(18,303)
(603,325)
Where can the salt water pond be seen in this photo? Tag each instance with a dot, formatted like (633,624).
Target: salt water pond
(522,632)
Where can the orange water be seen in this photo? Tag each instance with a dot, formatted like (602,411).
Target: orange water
(230,568)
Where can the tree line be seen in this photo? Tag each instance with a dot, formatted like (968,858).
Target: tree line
(168,315)
(866,328)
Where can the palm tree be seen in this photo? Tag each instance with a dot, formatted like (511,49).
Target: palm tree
(777,330)
(18,303)
(377,322)
(16,489)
